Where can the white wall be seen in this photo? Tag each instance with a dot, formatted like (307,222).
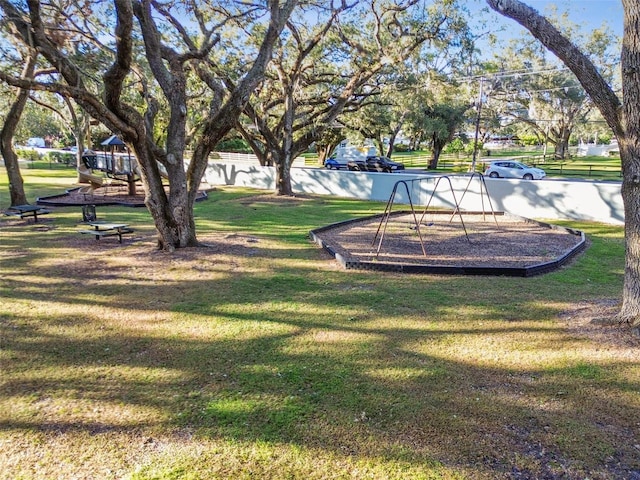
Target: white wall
(230,157)
(540,199)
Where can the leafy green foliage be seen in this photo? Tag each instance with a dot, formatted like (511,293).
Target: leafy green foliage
(236,145)
(537,94)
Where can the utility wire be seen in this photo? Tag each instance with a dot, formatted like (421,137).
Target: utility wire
(518,92)
(511,73)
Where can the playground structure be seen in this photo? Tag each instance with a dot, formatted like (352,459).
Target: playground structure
(384,220)
(115,161)
(403,241)
(119,176)
(86,176)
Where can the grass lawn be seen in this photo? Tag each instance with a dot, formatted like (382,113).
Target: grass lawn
(258,357)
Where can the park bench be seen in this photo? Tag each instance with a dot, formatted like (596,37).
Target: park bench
(102,229)
(25,211)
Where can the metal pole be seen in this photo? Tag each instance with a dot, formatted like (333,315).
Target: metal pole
(475,142)
(546,141)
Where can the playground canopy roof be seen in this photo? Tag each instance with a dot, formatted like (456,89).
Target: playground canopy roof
(112,140)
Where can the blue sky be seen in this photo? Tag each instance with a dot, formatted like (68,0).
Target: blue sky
(591,13)
(587,13)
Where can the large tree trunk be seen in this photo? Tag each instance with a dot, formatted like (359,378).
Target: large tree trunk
(16,184)
(324,150)
(436,150)
(630,157)
(323,153)
(284,158)
(394,135)
(172,211)
(389,150)
(561,151)
(282,162)
(630,153)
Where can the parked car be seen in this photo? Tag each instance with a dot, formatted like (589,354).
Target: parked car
(374,164)
(36,142)
(511,169)
(333,164)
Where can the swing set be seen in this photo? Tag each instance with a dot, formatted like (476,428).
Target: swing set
(379,236)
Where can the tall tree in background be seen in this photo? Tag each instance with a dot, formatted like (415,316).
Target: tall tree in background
(320,72)
(375,120)
(544,97)
(170,51)
(441,121)
(328,141)
(549,104)
(401,104)
(289,110)
(16,184)
(383,116)
(623,117)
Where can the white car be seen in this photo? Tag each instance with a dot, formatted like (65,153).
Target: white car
(511,169)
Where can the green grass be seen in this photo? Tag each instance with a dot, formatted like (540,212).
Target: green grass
(260,358)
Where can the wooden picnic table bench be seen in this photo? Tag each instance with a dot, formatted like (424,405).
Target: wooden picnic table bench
(103,229)
(24,211)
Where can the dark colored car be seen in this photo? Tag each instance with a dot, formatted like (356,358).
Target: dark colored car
(375,164)
(333,164)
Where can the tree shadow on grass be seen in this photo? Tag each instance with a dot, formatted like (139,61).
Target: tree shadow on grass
(355,388)
(269,351)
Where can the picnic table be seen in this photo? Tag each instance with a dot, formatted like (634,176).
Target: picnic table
(24,211)
(103,229)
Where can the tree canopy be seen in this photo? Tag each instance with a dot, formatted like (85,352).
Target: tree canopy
(129,64)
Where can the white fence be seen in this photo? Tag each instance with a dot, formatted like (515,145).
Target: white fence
(542,199)
(250,158)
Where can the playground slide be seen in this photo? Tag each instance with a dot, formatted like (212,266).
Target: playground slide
(85,176)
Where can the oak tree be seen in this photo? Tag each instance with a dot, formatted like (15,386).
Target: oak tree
(171,41)
(320,72)
(10,124)
(621,114)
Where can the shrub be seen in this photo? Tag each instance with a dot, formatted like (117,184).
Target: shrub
(455,146)
(468,149)
(401,148)
(68,158)
(234,145)
(529,139)
(604,138)
(27,154)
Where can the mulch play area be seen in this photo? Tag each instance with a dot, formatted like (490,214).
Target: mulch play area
(466,243)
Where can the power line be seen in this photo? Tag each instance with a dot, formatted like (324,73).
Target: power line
(511,73)
(517,92)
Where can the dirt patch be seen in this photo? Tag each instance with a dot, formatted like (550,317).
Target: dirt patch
(586,319)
